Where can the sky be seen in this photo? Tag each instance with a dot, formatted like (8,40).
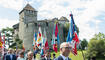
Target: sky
(89,15)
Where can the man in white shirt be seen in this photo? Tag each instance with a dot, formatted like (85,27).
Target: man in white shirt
(65,49)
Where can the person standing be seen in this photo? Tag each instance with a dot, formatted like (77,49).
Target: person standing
(21,56)
(30,56)
(65,49)
(47,56)
(54,56)
(10,56)
(1,54)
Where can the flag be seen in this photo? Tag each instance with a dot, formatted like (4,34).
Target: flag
(39,38)
(0,37)
(4,40)
(74,47)
(42,51)
(45,41)
(23,47)
(35,39)
(55,37)
(1,43)
(45,46)
(70,33)
(72,37)
(55,47)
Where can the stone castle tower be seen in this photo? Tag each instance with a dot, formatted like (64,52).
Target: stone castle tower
(28,23)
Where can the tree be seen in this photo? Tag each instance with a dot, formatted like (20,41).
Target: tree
(96,46)
(18,42)
(84,44)
(9,38)
(66,29)
(8,32)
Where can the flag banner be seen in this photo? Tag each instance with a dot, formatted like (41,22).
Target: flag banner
(1,42)
(72,37)
(23,47)
(39,38)
(34,39)
(55,47)
(55,37)
(4,40)
(42,51)
(45,46)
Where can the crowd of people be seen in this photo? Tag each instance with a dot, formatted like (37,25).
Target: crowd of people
(20,54)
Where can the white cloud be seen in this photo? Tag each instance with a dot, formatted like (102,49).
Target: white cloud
(30,2)
(82,18)
(56,8)
(13,4)
(7,23)
(93,9)
(16,4)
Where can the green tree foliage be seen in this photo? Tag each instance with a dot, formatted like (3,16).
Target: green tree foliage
(9,38)
(8,32)
(18,42)
(84,44)
(96,46)
(66,29)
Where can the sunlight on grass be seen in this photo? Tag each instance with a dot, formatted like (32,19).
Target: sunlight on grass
(73,57)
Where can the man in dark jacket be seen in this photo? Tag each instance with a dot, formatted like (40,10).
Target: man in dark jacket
(64,51)
(10,55)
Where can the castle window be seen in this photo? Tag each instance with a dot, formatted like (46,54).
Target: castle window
(58,24)
(26,25)
(33,12)
(28,11)
(35,24)
(47,24)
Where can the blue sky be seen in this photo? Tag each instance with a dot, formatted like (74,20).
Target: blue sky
(89,15)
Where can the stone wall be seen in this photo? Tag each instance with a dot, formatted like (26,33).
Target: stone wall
(28,24)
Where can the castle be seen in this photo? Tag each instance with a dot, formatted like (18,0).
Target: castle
(28,23)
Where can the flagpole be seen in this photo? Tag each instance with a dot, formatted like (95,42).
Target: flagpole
(82,52)
(80,44)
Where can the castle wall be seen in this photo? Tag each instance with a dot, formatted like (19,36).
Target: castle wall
(28,23)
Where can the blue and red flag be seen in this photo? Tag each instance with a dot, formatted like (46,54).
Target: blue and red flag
(45,46)
(55,37)
(72,36)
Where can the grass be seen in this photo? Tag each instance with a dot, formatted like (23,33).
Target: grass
(73,57)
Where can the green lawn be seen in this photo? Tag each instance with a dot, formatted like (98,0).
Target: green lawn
(73,57)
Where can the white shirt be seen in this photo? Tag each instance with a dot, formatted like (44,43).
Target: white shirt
(19,58)
(11,56)
(64,57)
